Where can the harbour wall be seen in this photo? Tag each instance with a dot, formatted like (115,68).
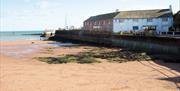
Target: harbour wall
(160,45)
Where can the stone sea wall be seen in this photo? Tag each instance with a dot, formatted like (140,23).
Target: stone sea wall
(162,45)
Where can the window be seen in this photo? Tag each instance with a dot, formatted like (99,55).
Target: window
(109,22)
(95,23)
(164,19)
(116,20)
(149,27)
(121,20)
(104,22)
(98,23)
(135,20)
(135,28)
(150,20)
(86,23)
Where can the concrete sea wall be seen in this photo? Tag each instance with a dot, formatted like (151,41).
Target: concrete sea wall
(162,45)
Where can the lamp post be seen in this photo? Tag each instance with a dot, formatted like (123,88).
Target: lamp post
(179,4)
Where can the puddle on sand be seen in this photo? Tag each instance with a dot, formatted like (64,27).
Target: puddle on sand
(21,51)
(18,51)
(60,44)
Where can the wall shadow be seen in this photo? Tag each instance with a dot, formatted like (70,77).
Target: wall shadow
(171,65)
(175,80)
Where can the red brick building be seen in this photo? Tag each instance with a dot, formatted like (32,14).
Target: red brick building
(102,22)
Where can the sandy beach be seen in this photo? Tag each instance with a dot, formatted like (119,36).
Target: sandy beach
(19,71)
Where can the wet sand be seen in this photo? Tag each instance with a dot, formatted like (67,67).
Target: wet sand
(20,72)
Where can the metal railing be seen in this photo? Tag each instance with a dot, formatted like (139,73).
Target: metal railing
(170,34)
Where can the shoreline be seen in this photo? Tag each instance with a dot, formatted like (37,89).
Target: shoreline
(22,42)
(28,74)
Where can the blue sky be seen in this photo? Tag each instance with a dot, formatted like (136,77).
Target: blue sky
(50,14)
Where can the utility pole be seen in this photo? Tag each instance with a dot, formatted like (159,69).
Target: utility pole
(66,26)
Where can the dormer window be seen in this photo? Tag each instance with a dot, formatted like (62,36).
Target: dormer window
(121,20)
(164,19)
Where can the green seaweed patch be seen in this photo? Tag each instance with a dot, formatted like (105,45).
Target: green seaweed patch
(82,59)
(57,60)
(119,56)
(87,60)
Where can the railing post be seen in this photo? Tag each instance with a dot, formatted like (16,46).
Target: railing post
(173,33)
(160,33)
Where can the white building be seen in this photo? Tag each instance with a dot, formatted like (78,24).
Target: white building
(159,20)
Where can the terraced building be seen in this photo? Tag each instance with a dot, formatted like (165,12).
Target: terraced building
(157,20)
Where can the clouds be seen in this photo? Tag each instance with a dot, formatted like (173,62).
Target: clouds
(43,4)
(51,13)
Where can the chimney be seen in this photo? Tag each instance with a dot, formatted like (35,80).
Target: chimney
(117,10)
(170,7)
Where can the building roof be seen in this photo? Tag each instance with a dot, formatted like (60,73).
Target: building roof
(177,18)
(133,14)
(145,13)
(103,16)
(177,14)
